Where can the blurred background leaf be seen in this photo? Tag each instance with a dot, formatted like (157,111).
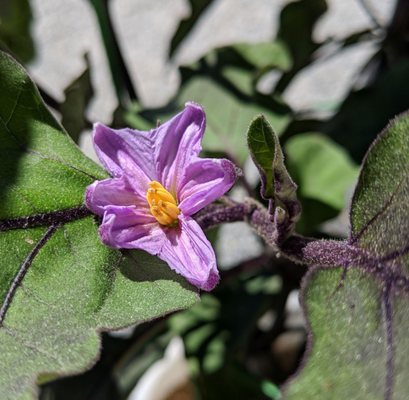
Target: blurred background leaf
(15,23)
(77,97)
(197,8)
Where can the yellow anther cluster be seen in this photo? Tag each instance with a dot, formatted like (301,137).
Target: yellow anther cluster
(162,204)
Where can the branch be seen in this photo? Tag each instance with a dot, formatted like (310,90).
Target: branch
(304,250)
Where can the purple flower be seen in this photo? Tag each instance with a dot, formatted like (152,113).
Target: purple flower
(158,182)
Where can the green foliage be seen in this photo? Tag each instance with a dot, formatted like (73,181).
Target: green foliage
(276,183)
(359,323)
(348,355)
(263,144)
(322,169)
(375,105)
(75,286)
(216,339)
(379,212)
(297,22)
(265,56)
(227,116)
(15,23)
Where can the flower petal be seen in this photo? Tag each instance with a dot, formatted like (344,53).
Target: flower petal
(115,191)
(188,252)
(204,181)
(176,142)
(126,149)
(126,227)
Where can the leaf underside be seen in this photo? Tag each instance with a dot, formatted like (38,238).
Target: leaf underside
(359,318)
(74,286)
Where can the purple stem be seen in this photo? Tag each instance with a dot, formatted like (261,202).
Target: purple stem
(390,348)
(45,219)
(303,250)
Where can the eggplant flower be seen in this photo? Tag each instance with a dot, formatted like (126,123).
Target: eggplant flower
(158,182)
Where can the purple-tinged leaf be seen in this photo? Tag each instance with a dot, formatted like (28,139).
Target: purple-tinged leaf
(359,314)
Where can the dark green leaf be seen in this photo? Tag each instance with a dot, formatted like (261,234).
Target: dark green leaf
(75,286)
(124,87)
(263,144)
(380,208)
(77,97)
(365,112)
(297,22)
(15,24)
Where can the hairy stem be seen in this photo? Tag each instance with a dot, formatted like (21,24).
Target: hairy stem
(304,250)
(45,219)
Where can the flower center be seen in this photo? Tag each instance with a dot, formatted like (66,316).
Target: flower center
(162,204)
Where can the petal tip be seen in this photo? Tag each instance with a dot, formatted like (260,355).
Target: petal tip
(97,126)
(89,191)
(197,113)
(105,233)
(89,198)
(98,131)
(211,282)
(230,170)
(194,105)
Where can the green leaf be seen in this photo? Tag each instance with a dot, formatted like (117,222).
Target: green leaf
(243,80)
(297,22)
(75,286)
(360,321)
(323,169)
(227,117)
(380,209)
(276,183)
(77,97)
(263,144)
(347,359)
(265,55)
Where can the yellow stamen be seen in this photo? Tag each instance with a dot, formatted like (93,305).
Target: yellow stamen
(162,204)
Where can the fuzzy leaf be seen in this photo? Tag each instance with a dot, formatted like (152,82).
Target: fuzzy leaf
(75,286)
(359,325)
(276,183)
